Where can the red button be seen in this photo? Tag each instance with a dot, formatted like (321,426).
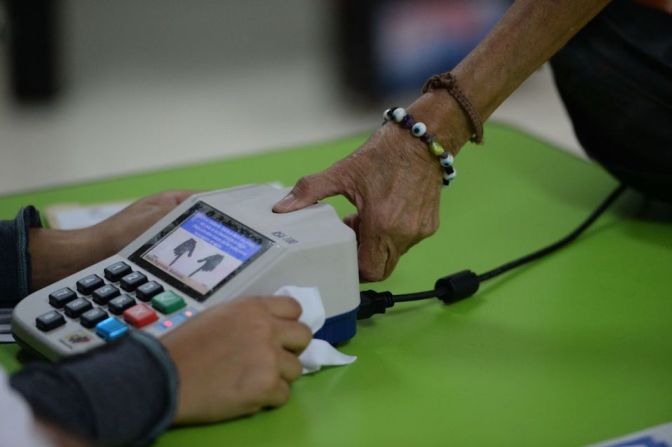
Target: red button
(140,315)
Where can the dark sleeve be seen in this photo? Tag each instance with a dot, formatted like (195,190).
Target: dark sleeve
(121,394)
(15,275)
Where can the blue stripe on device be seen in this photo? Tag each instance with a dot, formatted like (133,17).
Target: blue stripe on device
(339,328)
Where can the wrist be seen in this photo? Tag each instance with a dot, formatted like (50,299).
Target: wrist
(92,397)
(411,146)
(419,130)
(444,118)
(404,150)
(56,254)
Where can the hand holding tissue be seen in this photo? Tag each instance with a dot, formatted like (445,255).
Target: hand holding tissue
(319,353)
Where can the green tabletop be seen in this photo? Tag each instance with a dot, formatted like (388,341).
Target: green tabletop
(573,349)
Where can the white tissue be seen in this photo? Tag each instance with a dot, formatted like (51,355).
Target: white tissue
(319,353)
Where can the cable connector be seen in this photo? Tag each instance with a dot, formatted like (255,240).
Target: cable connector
(372,302)
(449,289)
(458,286)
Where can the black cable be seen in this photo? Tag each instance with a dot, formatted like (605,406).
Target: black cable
(559,244)
(414,296)
(464,284)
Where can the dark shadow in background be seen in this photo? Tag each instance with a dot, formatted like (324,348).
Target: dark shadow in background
(33,40)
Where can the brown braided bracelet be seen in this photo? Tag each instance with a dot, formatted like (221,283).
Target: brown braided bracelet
(448,82)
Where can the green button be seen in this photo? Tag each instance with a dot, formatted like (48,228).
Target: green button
(168,302)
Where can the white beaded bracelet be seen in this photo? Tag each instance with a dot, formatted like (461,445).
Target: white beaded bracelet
(419,130)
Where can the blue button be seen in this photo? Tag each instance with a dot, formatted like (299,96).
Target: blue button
(111,329)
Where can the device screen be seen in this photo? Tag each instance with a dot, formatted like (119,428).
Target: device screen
(201,250)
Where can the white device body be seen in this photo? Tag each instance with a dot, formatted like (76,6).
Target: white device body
(310,247)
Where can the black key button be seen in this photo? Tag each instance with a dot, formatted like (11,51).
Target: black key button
(147,291)
(116,271)
(61,297)
(77,307)
(50,320)
(118,305)
(131,281)
(105,294)
(92,317)
(89,284)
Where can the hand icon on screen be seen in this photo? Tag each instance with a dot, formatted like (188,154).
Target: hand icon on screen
(184,247)
(209,264)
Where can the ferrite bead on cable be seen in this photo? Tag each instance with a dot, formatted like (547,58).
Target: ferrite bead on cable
(457,286)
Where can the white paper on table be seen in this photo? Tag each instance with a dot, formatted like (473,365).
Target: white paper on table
(73,216)
(319,353)
(658,436)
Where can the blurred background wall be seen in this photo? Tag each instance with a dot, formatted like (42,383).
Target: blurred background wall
(92,89)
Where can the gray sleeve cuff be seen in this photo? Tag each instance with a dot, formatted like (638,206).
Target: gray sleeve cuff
(122,394)
(15,269)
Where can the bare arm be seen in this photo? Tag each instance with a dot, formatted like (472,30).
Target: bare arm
(528,35)
(56,254)
(392,179)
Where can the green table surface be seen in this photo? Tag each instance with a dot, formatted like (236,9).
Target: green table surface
(573,349)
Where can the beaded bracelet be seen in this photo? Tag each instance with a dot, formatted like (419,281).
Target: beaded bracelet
(419,130)
(448,82)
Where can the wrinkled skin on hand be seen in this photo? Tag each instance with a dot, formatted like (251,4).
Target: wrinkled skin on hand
(395,184)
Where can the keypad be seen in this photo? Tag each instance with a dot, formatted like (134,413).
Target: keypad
(168,302)
(132,281)
(50,320)
(77,307)
(112,300)
(89,284)
(116,271)
(140,315)
(119,304)
(111,329)
(148,290)
(92,317)
(61,297)
(104,294)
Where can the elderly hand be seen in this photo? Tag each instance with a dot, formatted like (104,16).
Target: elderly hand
(393,181)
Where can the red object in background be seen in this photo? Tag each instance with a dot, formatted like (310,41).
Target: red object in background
(390,47)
